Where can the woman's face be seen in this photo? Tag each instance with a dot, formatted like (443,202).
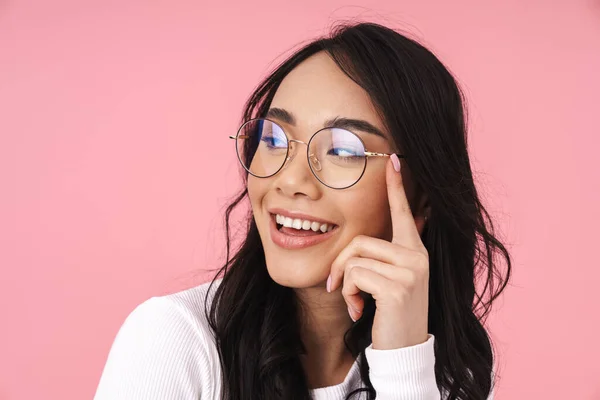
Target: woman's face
(314,92)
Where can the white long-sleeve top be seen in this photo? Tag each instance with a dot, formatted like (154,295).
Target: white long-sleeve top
(165,350)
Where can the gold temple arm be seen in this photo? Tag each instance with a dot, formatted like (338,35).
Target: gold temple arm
(373,154)
(367,153)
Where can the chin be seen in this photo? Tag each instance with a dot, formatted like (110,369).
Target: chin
(295,274)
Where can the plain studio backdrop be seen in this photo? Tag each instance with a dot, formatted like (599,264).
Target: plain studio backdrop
(115,166)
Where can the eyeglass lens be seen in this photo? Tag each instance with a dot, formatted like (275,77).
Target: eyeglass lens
(335,156)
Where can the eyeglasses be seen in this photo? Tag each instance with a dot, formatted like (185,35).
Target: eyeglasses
(336,157)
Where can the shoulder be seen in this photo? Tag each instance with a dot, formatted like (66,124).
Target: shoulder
(164,349)
(190,303)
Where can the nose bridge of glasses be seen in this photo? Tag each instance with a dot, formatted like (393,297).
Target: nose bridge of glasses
(312,158)
(296,141)
(292,149)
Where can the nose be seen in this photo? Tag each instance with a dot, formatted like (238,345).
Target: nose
(295,178)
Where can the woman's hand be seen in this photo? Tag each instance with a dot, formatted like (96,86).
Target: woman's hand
(395,273)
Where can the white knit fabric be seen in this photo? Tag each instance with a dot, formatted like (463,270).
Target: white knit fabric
(165,350)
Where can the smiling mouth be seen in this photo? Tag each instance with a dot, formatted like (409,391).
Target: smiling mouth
(301,227)
(298,233)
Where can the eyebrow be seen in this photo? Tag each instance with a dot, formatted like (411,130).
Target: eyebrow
(337,122)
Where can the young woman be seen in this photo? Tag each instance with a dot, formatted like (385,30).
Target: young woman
(357,275)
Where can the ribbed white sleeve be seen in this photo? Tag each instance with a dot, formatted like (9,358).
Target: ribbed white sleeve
(165,350)
(404,374)
(158,353)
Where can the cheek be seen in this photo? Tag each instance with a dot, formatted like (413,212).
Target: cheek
(374,218)
(256,191)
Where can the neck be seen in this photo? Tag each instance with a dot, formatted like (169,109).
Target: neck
(323,322)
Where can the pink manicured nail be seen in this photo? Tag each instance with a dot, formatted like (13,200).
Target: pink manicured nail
(395,162)
(329,284)
(350,313)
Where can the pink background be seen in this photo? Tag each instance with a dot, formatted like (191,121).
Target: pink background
(115,166)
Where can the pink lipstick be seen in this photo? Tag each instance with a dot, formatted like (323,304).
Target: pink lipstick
(290,238)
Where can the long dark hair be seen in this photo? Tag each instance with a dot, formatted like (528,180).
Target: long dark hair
(255,320)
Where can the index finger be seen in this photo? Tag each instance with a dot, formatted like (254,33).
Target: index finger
(404,229)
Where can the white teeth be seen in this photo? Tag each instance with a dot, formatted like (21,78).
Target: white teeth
(303,224)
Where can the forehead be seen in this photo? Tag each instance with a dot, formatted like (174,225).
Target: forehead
(317,90)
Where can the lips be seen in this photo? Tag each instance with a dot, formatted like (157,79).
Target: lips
(297,215)
(292,238)
(302,224)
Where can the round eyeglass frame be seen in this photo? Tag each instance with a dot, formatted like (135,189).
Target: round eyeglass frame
(288,159)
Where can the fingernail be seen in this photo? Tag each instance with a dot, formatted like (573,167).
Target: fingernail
(395,162)
(350,313)
(329,284)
